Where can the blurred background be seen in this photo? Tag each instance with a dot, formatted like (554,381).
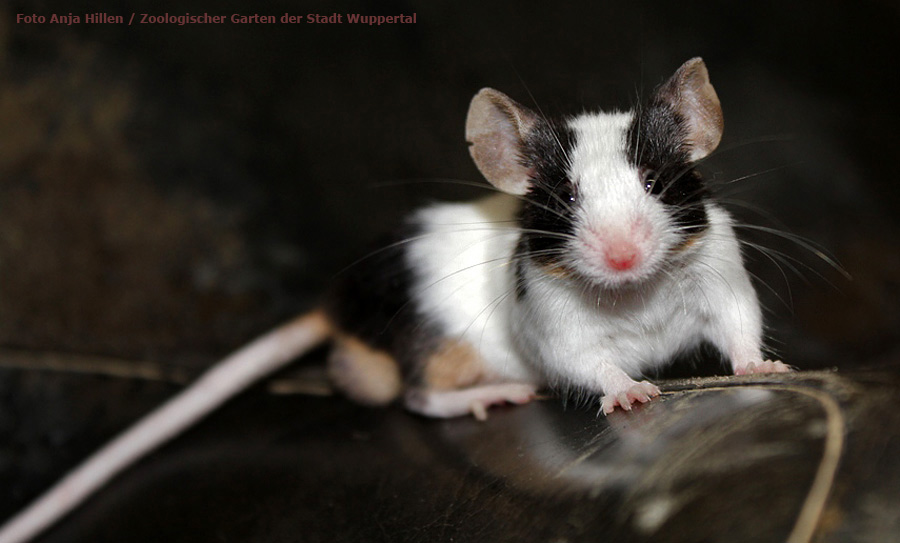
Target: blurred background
(168,192)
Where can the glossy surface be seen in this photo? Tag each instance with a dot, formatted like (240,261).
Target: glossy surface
(779,458)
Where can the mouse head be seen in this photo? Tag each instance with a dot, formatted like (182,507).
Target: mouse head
(608,197)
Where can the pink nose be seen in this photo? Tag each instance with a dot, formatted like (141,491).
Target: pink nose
(622,256)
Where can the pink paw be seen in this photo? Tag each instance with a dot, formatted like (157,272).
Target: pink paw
(465,401)
(638,392)
(515,395)
(766,366)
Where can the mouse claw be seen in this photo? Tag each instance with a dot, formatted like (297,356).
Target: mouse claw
(766,366)
(479,411)
(641,392)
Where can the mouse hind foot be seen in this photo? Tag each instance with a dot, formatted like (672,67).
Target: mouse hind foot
(465,401)
(455,381)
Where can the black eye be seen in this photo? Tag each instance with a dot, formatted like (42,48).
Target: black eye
(571,191)
(650,180)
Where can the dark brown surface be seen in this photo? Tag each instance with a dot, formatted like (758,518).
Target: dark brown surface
(168,192)
(781,458)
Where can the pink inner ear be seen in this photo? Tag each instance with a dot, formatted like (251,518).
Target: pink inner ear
(495,127)
(704,116)
(497,159)
(690,93)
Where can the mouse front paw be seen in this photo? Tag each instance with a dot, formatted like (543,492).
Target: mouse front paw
(641,392)
(766,366)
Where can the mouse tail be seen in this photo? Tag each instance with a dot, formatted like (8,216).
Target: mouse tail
(224,380)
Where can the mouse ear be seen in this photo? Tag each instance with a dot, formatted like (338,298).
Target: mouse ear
(496,130)
(690,93)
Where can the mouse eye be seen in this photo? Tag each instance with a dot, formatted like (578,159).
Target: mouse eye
(650,181)
(571,192)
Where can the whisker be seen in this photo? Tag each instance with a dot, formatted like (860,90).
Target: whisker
(547,121)
(763,213)
(786,259)
(471,227)
(757,174)
(528,198)
(802,242)
(433,180)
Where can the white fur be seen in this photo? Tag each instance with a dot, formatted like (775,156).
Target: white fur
(612,206)
(464,277)
(601,333)
(598,339)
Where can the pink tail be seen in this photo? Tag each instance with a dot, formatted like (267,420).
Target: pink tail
(225,379)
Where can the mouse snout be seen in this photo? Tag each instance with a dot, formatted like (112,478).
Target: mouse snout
(620,252)
(622,255)
(614,251)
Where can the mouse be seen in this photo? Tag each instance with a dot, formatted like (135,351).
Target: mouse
(600,257)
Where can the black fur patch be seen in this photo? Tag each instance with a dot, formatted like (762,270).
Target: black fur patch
(545,216)
(656,142)
(371,301)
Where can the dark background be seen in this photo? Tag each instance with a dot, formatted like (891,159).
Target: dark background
(168,192)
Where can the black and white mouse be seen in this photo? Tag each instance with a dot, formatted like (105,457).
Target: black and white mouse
(602,256)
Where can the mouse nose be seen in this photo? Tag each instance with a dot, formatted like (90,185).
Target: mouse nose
(622,255)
